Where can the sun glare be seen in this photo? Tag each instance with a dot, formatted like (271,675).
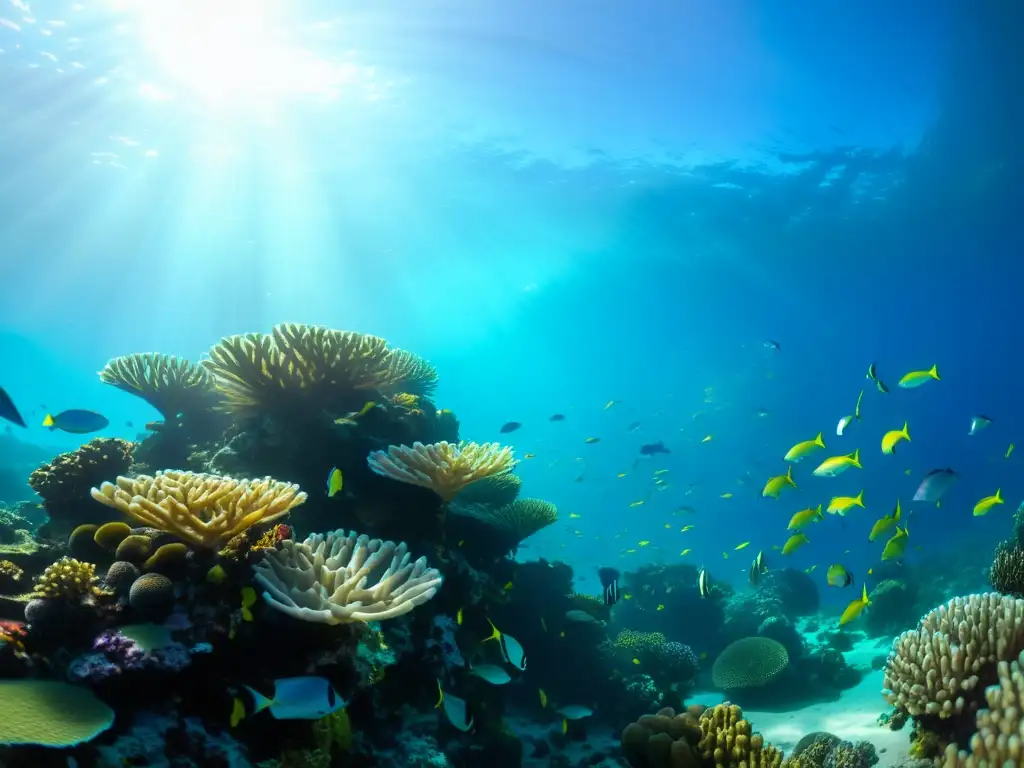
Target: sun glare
(233,51)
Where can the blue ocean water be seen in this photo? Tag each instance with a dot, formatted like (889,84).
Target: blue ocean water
(560,205)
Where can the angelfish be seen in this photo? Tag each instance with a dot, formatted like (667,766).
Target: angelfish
(511,650)
(299,698)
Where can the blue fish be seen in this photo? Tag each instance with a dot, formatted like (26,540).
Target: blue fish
(455,709)
(8,410)
(299,698)
(77,422)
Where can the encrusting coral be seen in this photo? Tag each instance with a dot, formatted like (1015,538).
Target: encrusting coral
(935,669)
(170,384)
(327,579)
(749,663)
(445,468)
(203,510)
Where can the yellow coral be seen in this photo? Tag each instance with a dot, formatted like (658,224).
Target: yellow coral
(729,740)
(445,468)
(67,578)
(10,573)
(639,642)
(204,510)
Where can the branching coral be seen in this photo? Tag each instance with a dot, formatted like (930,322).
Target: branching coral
(313,365)
(749,663)
(67,479)
(204,510)
(1000,737)
(1007,571)
(444,468)
(933,670)
(170,384)
(336,578)
(68,579)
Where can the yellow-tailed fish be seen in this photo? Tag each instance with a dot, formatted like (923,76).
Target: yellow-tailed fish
(840,505)
(643,543)
(707,438)
(805,517)
(621,475)
(854,609)
(726,495)
(334,482)
(893,436)
(543,698)
(887,522)
(609,404)
(508,586)
(636,503)
(917,378)
(800,450)
(685,552)
(574,515)
(458,617)
(836,465)
(702,583)
(774,486)
(1009,450)
(794,542)
(661,607)
(636,661)
(983,506)
(744,545)
(838,576)
(897,545)
(686,528)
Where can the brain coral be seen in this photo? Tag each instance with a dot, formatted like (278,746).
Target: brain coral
(934,669)
(749,663)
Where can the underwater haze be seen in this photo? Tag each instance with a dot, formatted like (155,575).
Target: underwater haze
(650,247)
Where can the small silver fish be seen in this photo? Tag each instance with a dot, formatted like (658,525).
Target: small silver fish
(979,423)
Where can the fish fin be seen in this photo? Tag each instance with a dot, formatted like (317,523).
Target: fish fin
(789,476)
(905,431)
(495,633)
(934,372)
(999,495)
(819,514)
(260,702)
(860,499)
(856,458)
(818,441)
(48,421)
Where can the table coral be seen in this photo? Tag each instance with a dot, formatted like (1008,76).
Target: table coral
(170,384)
(444,468)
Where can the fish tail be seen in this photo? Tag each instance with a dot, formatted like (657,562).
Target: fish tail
(819,441)
(260,702)
(999,495)
(905,431)
(48,421)
(495,633)
(859,500)
(856,458)
(789,476)
(440,696)
(934,372)
(819,514)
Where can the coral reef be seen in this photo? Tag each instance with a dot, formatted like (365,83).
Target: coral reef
(64,483)
(444,468)
(752,662)
(204,510)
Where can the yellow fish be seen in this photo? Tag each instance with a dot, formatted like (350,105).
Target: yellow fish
(334,482)
(986,504)
(574,515)
(917,378)
(248,601)
(856,410)
(685,552)
(805,517)
(838,464)
(800,450)
(508,586)
(794,542)
(609,404)
(725,555)
(897,545)
(529,455)
(887,522)
(237,713)
(636,503)
(854,609)
(726,495)
(643,543)
(686,528)
(775,484)
(660,471)
(1008,451)
(744,545)
(543,698)
(707,439)
(458,617)
(590,440)
(636,661)
(668,525)
(661,607)
(622,474)
(892,437)
(842,504)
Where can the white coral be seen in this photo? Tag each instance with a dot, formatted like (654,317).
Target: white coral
(336,578)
